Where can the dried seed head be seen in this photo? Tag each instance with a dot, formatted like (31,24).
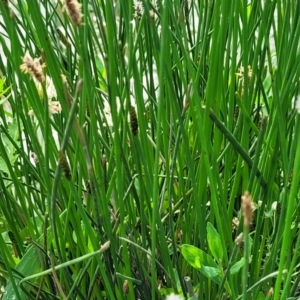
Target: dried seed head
(125,287)
(247,209)
(138,9)
(34,158)
(235,224)
(33,67)
(239,239)
(152,14)
(105,246)
(133,121)
(54,107)
(74,11)
(63,163)
(270,292)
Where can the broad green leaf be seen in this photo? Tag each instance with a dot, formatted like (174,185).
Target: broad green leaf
(237,266)
(29,264)
(214,242)
(200,260)
(210,272)
(197,262)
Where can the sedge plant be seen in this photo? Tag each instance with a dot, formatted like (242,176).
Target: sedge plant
(149,149)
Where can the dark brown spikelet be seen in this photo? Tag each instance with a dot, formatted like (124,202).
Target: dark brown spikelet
(88,113)
(278,208)
(63,163)
(13,242)
(11,237)
(236,113)
(242,247)
(89,187)
(185,8)
(63,38)
(133,121)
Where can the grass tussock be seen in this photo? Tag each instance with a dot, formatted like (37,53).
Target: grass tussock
(149,149)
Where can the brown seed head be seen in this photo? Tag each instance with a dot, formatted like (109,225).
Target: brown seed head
(133,121)
(239,239)
(125,287)
(247,209)
(74,11)
(270,292)
(63,163)
(33,67)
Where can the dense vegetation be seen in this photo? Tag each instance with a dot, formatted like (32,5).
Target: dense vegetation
(149,148)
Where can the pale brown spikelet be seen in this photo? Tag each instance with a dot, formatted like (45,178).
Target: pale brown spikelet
(34,157)
(125,287)
(247,209)
(74,11)
(235,224)
(240,242)
(239,239)
(152,14)
(33,67)
(270,292)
